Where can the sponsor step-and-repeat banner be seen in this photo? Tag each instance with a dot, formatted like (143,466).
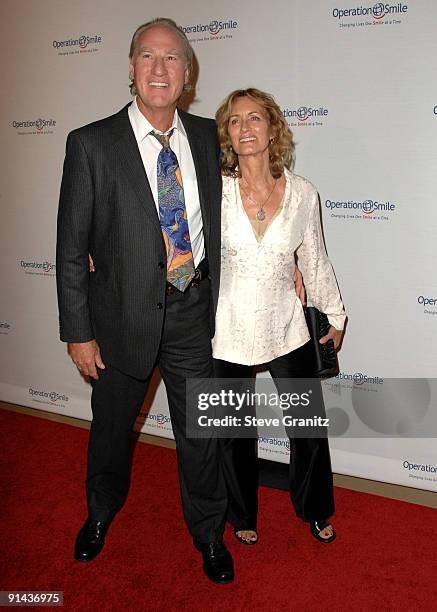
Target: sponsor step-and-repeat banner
(356,84)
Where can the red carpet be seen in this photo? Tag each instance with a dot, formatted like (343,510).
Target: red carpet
(384,557)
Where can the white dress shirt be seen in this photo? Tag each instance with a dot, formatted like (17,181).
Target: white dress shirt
(149,148)
(259,316)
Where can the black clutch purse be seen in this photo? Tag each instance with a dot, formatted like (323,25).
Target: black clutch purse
(326,362)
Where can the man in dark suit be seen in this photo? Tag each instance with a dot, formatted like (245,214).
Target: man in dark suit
(141,194)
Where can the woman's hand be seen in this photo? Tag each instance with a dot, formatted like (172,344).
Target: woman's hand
(91,263)
(299,286)
(333,334)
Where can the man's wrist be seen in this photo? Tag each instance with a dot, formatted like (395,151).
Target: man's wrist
(75,340)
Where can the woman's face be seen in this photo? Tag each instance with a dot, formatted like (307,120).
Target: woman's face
(248,127)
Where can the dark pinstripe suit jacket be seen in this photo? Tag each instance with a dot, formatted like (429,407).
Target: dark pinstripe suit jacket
(106,208)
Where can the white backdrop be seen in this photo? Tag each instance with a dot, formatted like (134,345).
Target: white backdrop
(357,85)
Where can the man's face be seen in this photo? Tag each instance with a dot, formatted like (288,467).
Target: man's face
(158,68)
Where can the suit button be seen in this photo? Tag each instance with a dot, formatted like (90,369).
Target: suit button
(161,265)
(160,305)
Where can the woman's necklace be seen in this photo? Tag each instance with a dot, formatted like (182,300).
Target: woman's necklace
(260,215)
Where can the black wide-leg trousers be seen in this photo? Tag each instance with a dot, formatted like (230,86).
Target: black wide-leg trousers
(310,473)
(116,402)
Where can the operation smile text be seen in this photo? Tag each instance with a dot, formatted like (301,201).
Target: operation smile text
(377,11)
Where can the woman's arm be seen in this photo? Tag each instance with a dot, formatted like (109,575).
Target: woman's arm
(318,275)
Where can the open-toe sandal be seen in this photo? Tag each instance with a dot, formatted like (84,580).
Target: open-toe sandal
(242,540)
(318,526)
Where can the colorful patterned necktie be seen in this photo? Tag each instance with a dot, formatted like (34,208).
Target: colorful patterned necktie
(173,216)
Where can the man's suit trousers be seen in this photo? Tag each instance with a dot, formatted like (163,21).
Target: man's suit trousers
(117,398)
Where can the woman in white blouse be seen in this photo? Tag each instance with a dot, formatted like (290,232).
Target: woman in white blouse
(270,217)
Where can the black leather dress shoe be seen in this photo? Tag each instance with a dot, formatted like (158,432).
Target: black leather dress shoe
(217,562)
(90,540)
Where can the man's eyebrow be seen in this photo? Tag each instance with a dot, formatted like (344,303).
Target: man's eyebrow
(172,51)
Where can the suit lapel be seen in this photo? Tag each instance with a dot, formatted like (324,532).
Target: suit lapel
(129,157)
(198,151)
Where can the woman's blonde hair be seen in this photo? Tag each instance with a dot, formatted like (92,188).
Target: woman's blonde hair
(281,146)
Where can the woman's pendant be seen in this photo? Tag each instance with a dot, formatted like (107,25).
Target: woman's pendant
(260,215)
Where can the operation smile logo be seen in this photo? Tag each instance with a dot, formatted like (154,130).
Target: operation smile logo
(5,328)
(75,46)
(364,210)
(421,471)
(52,398)
(159,420)
(39,268)
(358,378)
(275,446)
(214,30)
(380,14)
(356,381)
(429,304)
(305,116)
(34,126)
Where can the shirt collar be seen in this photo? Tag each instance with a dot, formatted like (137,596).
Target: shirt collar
(142,127)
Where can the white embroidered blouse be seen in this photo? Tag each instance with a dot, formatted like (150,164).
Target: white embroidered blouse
(259,316)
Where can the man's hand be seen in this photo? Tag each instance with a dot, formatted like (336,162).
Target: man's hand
(86,356)
(333,334)
(299,286)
